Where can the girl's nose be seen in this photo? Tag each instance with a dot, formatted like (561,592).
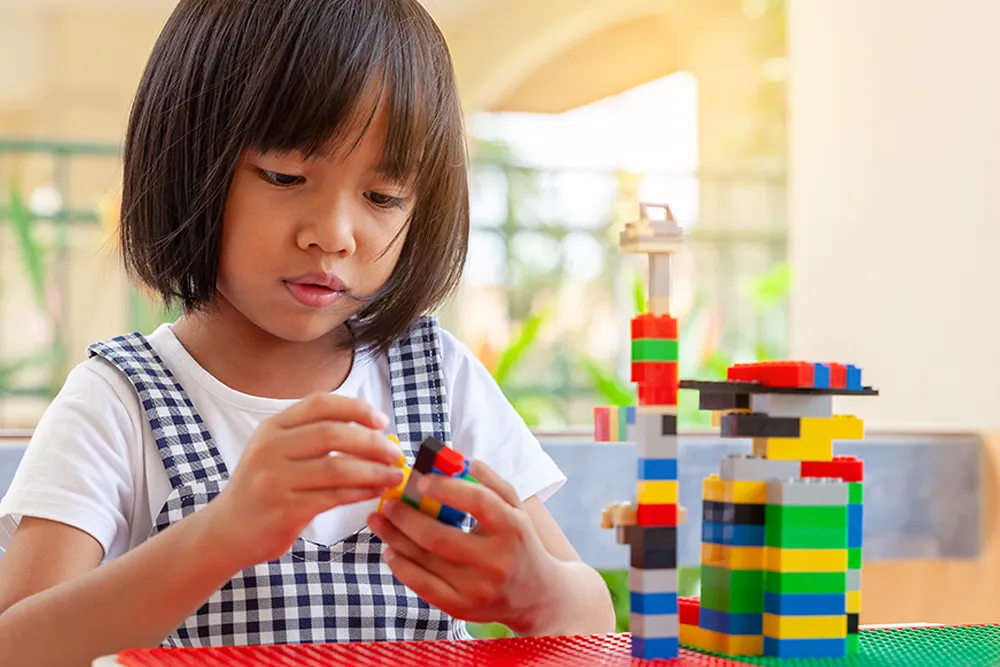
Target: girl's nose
(331,230)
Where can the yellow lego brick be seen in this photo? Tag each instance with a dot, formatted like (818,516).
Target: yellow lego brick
(838,427)
(794,449)
(805,627)
(430,507)
(732,558)
(743,645)
(711,488)
(853,602)
(747,493)
(395,493)
(658,492)
(702,639)
(805,560)
(613,424)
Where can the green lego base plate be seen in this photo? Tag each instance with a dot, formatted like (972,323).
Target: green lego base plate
(968,646)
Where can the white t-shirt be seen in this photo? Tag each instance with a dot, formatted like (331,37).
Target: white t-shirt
(92,462)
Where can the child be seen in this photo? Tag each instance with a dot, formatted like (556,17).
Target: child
(294,176)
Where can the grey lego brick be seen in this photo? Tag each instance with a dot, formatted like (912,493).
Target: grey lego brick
(744,467)
(652,581)
(792,405)
(808,491)
(652,442)
(410,490)
(854,580)
(654,626)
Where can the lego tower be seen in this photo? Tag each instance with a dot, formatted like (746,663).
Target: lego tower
(781,531)
(649,524)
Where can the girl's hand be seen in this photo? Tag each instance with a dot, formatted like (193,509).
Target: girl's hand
(500,572)
(287,474)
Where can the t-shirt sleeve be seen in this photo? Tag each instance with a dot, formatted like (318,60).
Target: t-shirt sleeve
(78,466)
(485,426)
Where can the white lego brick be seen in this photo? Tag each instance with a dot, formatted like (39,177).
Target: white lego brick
(654,626)
(651,443)
(659,276)
(854,580)
(792,405)
(742,467)
(652,581)
(808,491)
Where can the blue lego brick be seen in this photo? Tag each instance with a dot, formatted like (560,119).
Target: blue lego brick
(733,535)
(855,526)
(805,648)
(731,624)
(630,415)
(450,516)
(821,376)
(657,469)
(653,603)
(805,604)
(854,378)
(651,649)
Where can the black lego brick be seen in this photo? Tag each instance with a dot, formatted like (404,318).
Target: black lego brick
(427,454)
(668,425)
(710,401)
(734,514)
(759,425)
(652,547)
(726,387)
(653,559)
(852,624)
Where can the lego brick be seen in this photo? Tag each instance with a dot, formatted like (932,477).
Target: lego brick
(754,425)
(847,468)
(652,581)
(805,537)
(805,582)
(792,405)
(734,591)
(838,376)
(838,427)
(852,624)
(663,648)
(806,516)
(656,373)
(856,493)
(654,326)
(451,516)
(427,454)
(853,644)
(774,373)
(450,463)
(656,410)
(702,639)
(656,436)
(746,493)
(804,604)
(756,469)
(663,447)
(654,625)
(656,395)
(735,513)
(657,469)
(821,376)
(602,424)
(806,560)
(736,535)
(653,559)
(805,648)
(855,526)
(656,492)
(853,379)
(658,537)
(723,402)
(793,449)
(410,492)
(712,489)
(853,581)
(652,603)
(654,349)
(805,627)
(688,610)
(852,602)
(853,558)
(657,515)
(731,624)
(811,491)
(732,558)
(430,506)
(748,645)
(745,387)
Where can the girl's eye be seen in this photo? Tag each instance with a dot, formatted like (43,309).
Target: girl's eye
(281,180)
(384,201)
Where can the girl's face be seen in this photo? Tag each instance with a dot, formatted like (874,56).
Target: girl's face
(301,235)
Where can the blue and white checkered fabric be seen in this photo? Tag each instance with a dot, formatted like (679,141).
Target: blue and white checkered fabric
(313,593)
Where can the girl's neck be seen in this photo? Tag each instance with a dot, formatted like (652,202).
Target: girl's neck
(252,361)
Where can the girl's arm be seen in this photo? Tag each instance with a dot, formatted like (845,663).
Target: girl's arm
(57,607)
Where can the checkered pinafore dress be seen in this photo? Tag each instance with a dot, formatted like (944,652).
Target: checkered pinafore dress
(313,593)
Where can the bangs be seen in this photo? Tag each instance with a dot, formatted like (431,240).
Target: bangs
(329,68)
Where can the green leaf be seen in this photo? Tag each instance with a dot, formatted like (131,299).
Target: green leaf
(639,295)
(770,288)
(520,346)
(611,388)
(31,252)
(11,369)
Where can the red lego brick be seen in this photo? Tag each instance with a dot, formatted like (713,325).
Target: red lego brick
(689,610)
(656,515)
(655,372)
(847,468)
(654,326)
(657,395)
(556,651)
(774,373)
(450,462)
(838,376)
(602,424)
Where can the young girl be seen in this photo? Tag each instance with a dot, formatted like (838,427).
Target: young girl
(294,176)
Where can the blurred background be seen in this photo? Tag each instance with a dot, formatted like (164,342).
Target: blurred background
(832,162)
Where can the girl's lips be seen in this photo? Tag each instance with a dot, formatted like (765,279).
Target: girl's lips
(312,296)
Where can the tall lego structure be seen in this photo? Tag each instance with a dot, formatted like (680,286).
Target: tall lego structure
(782,525)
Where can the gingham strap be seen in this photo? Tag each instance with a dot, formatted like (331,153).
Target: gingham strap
(419,400)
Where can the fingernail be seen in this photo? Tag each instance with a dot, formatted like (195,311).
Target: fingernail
(422,484)
(394,477)
(388,507)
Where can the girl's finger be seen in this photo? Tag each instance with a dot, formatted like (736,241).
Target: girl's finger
(491,511)
(488,477)
(325,437)
(330,407)
(438,540)
(331,472)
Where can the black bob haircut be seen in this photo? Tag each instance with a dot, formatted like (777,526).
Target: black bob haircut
(230,75)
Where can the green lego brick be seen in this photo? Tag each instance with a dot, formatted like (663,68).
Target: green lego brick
(805,582)
(733,591)
(854,559)
(853,644)
(412,503)
(806,515)
(969,646)
(804,537)
(654,349)
(856,493)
